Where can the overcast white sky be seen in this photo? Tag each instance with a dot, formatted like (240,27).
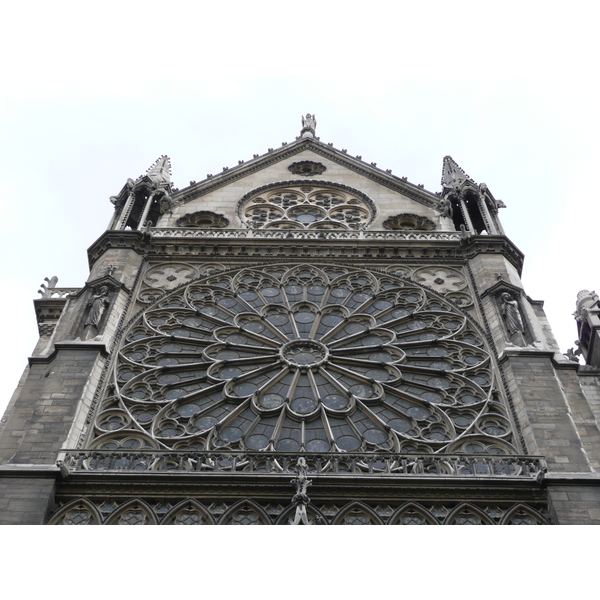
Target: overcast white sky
(94,93)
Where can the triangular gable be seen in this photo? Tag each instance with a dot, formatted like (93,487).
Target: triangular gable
(327,151)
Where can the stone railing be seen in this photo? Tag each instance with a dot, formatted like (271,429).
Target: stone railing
(215,462)
(58,293)
(304,234)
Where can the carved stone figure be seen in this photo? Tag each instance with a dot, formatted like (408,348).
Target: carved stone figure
(99,302)
(309,122)
(573,354)
(511,314)
(165,204)
(300,499)
(446,208)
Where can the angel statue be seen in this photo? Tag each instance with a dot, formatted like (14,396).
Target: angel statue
(309,122)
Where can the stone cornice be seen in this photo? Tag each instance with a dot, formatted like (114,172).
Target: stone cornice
(133,240)
(247,244)
(69,347)
(30,471)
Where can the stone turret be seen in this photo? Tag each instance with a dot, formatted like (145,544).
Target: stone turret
(587,315)
(142,202)
(473,207)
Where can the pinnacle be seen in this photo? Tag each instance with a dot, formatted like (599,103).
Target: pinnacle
(452,174)
(160,171)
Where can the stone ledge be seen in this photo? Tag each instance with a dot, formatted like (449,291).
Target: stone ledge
(69,346)
(29,470)
(572,478)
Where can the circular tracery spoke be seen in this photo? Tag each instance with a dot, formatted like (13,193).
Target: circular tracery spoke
(304,359)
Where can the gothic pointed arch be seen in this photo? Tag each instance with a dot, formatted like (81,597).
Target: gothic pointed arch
(521,514)
(188,512)
(357,513)
(134,512)
(245,512)
(412,514)
(77,512)
(467,514)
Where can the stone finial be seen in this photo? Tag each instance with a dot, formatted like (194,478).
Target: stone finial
(452,175)
(48,287)
(309,125)
(160,171)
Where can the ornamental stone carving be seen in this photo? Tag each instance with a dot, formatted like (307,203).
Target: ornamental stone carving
(307,168)
(204,219)
(47,289)
(169,276)
(408,221)
(172,511)
(442,280)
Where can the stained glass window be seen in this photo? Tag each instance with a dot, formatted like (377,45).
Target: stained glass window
(304,359)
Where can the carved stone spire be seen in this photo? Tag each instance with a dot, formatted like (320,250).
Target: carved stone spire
(452,175)
(160,171)
(309,125)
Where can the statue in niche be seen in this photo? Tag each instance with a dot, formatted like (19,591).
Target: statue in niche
(446,208)
(512,318)
(98,304)
(309,122)
(165,204)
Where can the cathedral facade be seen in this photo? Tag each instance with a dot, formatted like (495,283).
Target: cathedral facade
(303,338)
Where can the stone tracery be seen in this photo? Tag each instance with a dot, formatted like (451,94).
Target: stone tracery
(298,358)
(306,207)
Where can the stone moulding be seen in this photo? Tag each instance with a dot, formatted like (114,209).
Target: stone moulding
(275,463)
(172,241)
(317,234)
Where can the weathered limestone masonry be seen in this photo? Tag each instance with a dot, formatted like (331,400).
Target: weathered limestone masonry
(303,339)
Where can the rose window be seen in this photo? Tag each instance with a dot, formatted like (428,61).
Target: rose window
(306,208)
(299,358)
